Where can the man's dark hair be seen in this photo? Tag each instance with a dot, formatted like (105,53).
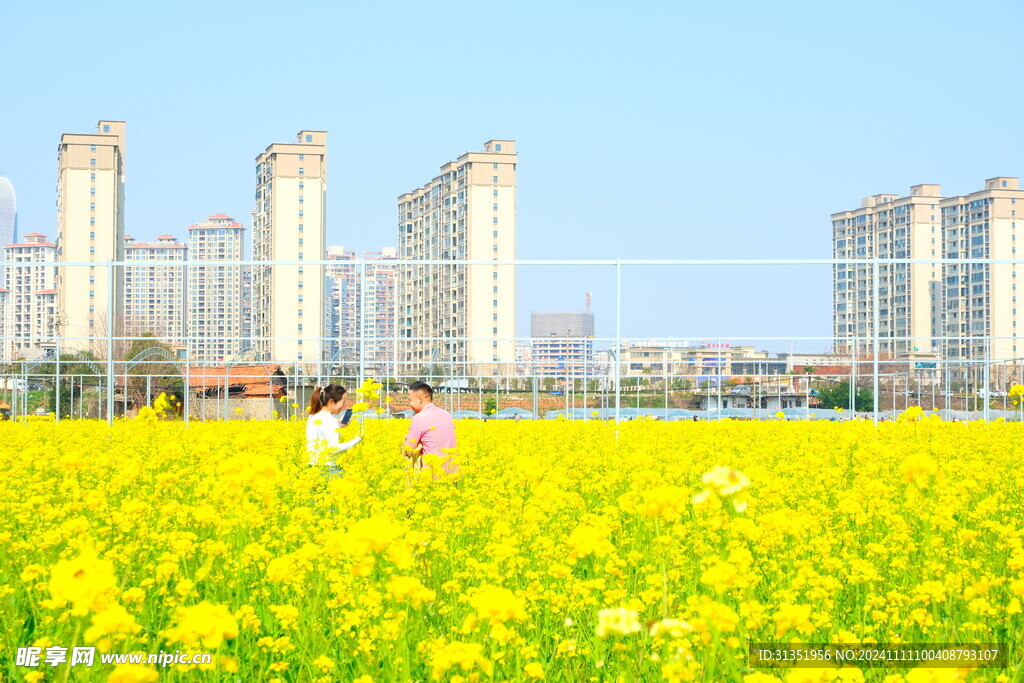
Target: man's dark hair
(424,387)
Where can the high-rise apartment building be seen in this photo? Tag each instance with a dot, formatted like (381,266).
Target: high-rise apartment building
(8,217)
(463,315)
(90,230)
(289,223)
(362,300)
(154,296)
(562,343)
(979,300)
(31,301)
(215,315)
(890,227)
(6,343)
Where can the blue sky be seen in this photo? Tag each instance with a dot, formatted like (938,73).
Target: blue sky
(645,129)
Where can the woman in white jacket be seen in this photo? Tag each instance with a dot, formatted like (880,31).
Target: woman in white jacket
(322,441)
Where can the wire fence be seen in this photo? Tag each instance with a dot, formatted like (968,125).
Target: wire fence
(234,369)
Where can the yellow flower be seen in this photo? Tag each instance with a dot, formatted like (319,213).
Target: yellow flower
(920,469)
(617,621)
(83,581)
(534,670)
(323,663)
(589,540)
(132,673)
(725,483)
(409,587)
(497,604)
(466,656)
(206,624)
(113,619)
(796,617)
(286,615)
(665,502)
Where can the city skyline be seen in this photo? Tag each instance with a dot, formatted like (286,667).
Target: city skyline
(638,138)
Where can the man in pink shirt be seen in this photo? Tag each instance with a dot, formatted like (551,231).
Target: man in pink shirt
(431,432)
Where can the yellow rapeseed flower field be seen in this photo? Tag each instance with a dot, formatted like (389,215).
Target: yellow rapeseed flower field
(563,552)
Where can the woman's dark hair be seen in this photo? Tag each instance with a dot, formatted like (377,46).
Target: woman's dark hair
(321,395)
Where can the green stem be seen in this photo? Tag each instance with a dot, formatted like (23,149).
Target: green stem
(74,643)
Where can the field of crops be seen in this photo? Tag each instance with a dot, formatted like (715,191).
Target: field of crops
(563,553)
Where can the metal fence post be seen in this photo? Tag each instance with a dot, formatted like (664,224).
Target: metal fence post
(618,341)
(56,406)
(110,341)
(874,317)
(362,320)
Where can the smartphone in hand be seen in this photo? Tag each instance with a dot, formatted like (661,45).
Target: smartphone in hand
(346,418)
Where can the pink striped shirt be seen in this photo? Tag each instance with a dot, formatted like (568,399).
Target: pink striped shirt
(433,430)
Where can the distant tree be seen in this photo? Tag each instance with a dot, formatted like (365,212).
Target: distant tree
(838,396)
(490,405)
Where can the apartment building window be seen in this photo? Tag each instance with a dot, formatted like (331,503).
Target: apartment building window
(495,178)
(495,207)
(92,162)
(495,220)
(494,303)
(495,165)
(300,227)
(309,138)
(106,127)
(92,191)
(92,176)
(300,213)
(92,148)
(92,206)
(495,193)
(302,157)
(497,147)
(494,247)
(92,221)
(302,171)
(302,184)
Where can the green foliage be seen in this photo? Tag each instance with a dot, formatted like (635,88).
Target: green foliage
(838,396)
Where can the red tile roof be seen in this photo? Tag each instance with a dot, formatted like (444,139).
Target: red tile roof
(254,378)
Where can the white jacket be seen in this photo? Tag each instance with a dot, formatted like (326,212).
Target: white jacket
(322,440)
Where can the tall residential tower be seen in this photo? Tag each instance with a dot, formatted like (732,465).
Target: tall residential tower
(215,291)
(90,230)
(890,227)
(460,315)
(288,301)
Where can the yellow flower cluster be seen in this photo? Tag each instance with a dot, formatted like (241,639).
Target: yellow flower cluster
(566,551)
